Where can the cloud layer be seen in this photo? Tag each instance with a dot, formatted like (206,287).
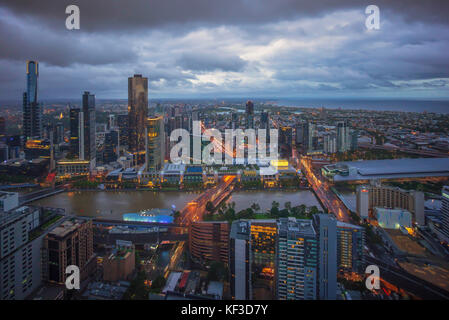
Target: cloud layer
(210,48)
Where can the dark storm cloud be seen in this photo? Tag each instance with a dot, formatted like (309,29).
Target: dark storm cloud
(241,47)
(128,14)
(22,41)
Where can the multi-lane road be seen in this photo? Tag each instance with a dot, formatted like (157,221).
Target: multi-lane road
(327,197)
(195,209)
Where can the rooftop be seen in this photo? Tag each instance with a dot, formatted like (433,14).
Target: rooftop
(397,168)
(302,226)
(66,227)
(348,225)
(170,168)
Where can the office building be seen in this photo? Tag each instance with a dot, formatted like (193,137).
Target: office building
(362,202)
(8,201)
(251,255)
(381,196)
(240,260)
(249,114)
(445,211)
(343,137)
(20,253)
(264,120)
(154,143)
(308,133)
(263,249)
(209,241)
(326,227)
(32,109)
(330,143)
(300,132)
(350,247)
(285,142)
(70,243)
(111,145)
(77,133)
(4,152)
(2,126)
(68,168)
(122,121)
(119,265)
(37,148)
(354,140)
(137,113)
(296,260)
(89,127)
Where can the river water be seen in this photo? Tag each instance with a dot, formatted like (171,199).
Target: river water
(113,204)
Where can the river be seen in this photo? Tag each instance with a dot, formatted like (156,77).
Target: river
(113,204)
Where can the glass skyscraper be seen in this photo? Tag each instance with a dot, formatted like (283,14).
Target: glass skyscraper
(89,127)
(155,143)
(445,211)
(297,260)
(32,110)
(137,113)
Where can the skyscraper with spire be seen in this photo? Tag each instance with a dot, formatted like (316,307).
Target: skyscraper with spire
(32,110)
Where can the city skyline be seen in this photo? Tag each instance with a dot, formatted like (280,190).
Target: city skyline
(265,151)
(298,51)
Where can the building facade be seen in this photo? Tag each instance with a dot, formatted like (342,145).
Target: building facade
(137,113)
(445,211)
(381,196)
(90,150)
(120,264)
(326,227)
(20,254)
(296,260)
(249,114)
(350,247)
(32,109)
(70,243)
(154,143)
(343,137)
(209,241)
(77,133)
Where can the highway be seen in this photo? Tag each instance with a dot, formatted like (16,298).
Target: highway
(195,209)
(324,193)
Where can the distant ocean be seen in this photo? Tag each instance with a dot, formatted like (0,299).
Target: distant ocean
(436,106)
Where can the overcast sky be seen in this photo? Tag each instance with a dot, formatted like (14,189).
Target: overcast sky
(226,48)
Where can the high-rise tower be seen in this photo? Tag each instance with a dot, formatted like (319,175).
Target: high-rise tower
(155,143)
(89,127)
(249,115)
(445,211)
(77,133)
(32,110)
(137,113)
